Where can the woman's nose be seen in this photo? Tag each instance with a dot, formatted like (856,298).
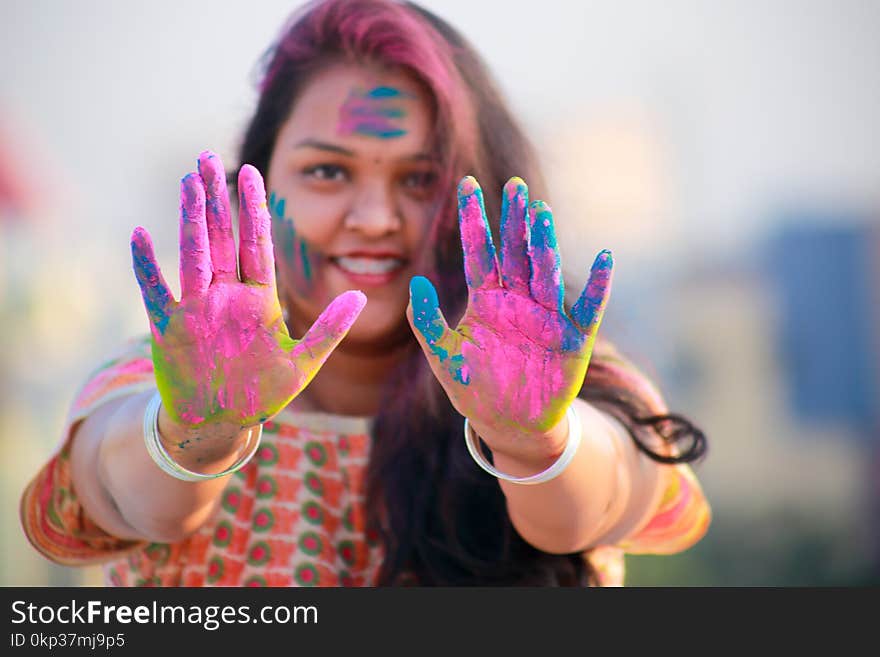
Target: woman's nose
(373,212)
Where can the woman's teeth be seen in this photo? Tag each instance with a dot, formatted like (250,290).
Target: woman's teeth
(369,265)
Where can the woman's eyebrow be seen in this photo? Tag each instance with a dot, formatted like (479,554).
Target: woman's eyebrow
(333,148)
(324,146)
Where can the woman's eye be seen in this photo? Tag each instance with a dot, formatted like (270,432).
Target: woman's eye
(326,172)
(420,180)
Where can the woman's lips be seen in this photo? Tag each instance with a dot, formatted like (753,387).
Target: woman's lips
(369,270)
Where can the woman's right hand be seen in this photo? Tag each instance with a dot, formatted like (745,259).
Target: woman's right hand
(223,354)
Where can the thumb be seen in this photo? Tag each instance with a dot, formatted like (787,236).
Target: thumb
(441,344)
(309,353)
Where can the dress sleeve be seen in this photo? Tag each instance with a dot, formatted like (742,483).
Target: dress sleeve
(680,520)
(681,514)
(51,516)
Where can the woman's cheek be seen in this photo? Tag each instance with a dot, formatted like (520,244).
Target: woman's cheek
(296,260)
(417,224)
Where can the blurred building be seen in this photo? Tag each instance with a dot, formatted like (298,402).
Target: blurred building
(827,277)
(775,355)
(827,281)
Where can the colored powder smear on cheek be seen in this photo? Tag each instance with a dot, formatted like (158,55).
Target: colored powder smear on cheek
(374,113)
(285,235)
(304,257)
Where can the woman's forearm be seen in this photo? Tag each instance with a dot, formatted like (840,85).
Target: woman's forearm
(125,492)
(606,492)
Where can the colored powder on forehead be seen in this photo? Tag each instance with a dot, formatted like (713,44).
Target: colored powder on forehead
(373,113)
(385,92)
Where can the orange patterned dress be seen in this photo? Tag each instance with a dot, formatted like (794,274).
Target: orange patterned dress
(293,516)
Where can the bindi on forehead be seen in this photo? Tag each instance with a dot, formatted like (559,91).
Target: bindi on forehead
(378,112)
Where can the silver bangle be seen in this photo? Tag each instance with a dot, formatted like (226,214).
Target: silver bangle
(472,440)
(168,465)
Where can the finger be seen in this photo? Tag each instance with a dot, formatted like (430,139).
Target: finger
(588,309)
(195,256)
(479,252)
(545,281)
(219,217)
(309,353)
(158,299)
(515,236)
(440,343)
(255,255)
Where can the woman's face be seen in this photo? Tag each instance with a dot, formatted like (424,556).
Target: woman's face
(351,185)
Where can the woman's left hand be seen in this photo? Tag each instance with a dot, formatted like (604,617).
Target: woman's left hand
(516,360)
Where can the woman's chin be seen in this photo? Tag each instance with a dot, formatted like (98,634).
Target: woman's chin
(381,324)
(378,329)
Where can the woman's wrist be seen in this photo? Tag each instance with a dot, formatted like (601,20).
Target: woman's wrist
(206,448)
(528,453)
(139,499)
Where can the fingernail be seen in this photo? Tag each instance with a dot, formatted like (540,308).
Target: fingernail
(604,260)
(468,186)
(424,302)
(515,185)
(541,220)
(422,293)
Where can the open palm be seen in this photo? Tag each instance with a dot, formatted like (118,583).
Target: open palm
(517,359)
(223,353)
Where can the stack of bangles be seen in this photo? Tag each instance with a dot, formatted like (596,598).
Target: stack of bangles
(472,440)
(168,465)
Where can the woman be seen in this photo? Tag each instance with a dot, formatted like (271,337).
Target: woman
(369,113)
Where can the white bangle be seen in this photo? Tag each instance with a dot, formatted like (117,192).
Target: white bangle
(168,465)
(472,440)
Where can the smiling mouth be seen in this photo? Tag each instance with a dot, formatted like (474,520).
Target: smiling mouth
(361,266)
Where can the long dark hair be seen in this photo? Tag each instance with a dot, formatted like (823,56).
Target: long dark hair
(441,519)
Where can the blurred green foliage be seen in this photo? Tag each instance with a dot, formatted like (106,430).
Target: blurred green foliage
(779,547)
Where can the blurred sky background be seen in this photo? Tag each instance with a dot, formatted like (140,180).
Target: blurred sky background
(727,152)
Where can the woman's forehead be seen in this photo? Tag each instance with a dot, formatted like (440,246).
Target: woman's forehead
(362,103)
